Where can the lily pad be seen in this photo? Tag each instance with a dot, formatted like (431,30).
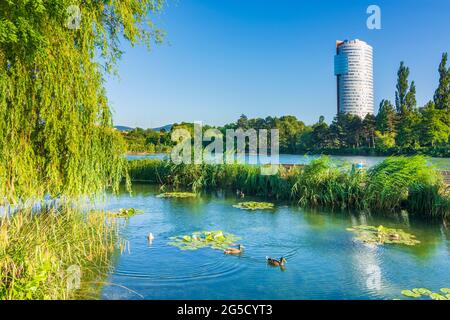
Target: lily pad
(381,235)
(410,294)
(423,292)
(254,205)
(437,296)
(177,195)
(125,213)
(217,240)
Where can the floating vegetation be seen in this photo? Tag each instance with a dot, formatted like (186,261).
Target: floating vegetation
(444,293)
(253,205)
(177,195)
(217,240)
(382,235)
(125,213)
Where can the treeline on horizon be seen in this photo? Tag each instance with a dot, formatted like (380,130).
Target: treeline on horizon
(398,128)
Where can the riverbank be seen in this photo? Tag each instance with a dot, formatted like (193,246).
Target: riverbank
(55,254)
(395,184)
(438,152)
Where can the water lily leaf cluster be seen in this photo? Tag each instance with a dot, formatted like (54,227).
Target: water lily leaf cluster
(125,213)
(383,235)
(217,240)
(254,205)
(416,293)
(177,195)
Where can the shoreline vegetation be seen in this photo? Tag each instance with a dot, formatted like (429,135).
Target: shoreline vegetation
(56,253)
(395,184)
(57,140)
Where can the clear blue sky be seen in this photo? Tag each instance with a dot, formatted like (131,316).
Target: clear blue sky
(222,58)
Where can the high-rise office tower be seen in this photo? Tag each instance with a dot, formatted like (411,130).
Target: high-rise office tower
(353,67)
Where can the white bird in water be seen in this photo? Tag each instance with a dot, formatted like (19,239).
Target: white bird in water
(150,237)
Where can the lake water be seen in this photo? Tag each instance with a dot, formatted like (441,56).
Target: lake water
(323,260)
(441,163)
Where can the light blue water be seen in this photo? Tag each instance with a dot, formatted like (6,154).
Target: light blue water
(324,262)
(441,163)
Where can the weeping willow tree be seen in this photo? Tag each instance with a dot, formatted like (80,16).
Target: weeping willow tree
(56,133)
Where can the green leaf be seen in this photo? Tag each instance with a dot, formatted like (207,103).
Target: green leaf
(410,294)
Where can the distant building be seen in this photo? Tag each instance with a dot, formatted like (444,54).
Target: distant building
(353,67)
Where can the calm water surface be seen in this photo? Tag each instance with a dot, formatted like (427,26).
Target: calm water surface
(323,260)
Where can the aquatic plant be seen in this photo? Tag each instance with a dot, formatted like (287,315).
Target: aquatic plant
(444,293)
(325,183)
(382,235)
(217,240)
(253,205)
(125,213)
(40,251)
(177,195)
(246,178)
(397,183)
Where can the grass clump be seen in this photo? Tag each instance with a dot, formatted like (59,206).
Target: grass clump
(217,240)
(323,183)
(39,250)
(253,205)
(381,235)
(404,182)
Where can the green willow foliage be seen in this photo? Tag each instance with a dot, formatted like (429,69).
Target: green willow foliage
(56,134)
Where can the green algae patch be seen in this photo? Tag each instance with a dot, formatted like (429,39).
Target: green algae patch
(217,240)
(125,213)
(254,205)
(180,195)
(382,235)
(428,294)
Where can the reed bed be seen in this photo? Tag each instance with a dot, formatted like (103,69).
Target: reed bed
(46,255)
(397,183)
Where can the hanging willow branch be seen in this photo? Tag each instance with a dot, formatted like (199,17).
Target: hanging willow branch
(56,134)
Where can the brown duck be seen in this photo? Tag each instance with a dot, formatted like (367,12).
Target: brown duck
(237,250)
(274,262)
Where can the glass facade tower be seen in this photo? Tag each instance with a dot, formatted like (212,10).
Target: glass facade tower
(353,67)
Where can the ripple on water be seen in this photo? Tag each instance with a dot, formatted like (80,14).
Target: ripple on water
(209,267)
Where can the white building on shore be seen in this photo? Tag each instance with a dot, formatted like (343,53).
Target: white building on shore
(353,67)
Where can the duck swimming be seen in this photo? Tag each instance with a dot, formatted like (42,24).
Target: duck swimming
(275,262)
(237,250)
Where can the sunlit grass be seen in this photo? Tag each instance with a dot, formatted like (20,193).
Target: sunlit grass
(40,251)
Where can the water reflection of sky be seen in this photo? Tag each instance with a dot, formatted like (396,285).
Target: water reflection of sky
(441,163)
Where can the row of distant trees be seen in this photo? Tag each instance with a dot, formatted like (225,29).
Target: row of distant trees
(398,128)
(402,127)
